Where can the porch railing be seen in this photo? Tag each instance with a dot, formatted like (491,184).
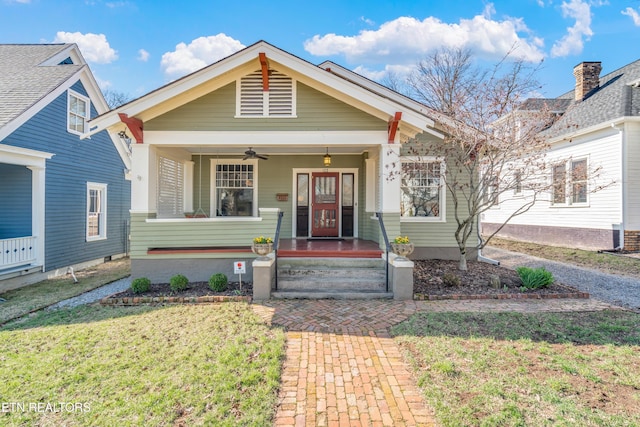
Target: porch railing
(17,251)
(386,248)
(276,240)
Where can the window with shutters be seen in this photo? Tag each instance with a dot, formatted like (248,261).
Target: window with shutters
(96,211)
(78,112)
(278,101)
(170,188)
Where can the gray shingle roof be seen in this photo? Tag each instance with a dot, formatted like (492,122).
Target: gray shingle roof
(616,97)
(23,81)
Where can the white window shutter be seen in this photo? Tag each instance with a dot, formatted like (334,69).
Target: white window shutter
(170,188)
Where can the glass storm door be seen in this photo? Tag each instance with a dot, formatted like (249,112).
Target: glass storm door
(325,218)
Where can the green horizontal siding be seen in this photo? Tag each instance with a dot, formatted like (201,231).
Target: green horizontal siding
(216,112)
(433,234)
(195,233)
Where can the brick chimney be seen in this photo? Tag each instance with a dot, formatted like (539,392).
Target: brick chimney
(587,78)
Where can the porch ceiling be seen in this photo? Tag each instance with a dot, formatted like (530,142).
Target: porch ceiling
(238,150)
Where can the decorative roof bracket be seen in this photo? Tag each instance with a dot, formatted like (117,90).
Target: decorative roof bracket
(264,64)
(134,125)
(393,126)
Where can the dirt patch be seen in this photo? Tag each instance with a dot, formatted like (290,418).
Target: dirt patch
(442,278)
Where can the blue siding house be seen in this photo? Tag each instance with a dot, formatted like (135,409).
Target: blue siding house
(64,201)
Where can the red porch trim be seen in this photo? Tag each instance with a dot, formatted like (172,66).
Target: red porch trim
(134,125)
(393,126)
(264,64)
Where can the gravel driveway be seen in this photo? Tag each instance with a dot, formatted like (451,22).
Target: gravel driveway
(94,295)
(618,290)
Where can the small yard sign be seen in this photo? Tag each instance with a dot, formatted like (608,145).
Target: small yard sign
(239,267)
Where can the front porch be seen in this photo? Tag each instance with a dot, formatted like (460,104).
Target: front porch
(22,184)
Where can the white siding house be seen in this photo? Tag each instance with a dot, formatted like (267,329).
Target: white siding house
(594,166)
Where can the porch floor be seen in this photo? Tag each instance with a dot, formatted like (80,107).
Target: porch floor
(347,248)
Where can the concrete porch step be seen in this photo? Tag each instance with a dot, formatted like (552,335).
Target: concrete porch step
(332,274)
(326,294)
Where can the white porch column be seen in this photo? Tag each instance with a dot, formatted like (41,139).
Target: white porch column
(188,186)
(389,179)
(37,210)
(143,182)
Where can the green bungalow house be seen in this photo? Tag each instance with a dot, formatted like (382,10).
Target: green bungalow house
(263,143)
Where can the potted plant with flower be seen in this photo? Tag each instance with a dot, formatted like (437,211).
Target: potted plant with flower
(401,246)
(262,245)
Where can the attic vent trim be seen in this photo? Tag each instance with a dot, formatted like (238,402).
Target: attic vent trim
(253,101)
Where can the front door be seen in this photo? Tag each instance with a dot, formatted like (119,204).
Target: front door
(324,204)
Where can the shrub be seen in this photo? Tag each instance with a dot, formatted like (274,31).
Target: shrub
(141,284)
(535,278)
(218,282)
(450,279)
(178,283)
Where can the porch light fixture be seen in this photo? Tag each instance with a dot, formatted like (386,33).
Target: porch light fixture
(327,159)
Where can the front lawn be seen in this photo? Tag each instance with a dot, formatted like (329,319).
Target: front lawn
(22,301)
(513,369)
(176,366)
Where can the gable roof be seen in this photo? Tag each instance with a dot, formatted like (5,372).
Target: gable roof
(617,97)
(357,93)
(33,75)
(24,80)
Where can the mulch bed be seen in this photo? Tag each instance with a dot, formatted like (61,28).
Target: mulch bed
(440,279)
(430,283)
(197,292)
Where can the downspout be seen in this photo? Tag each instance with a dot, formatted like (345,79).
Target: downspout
(623,186)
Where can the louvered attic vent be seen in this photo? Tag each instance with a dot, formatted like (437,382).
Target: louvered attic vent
(278,101)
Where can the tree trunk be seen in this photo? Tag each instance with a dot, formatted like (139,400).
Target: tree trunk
(462,265)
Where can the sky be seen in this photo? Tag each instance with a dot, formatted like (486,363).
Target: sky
(136,46)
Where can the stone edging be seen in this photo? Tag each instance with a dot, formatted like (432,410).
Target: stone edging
(426,297)
(125,301)
(122,301)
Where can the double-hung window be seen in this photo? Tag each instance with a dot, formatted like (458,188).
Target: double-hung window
(421,189)
(570,182)
(96,211)
(78,112)
(235,188)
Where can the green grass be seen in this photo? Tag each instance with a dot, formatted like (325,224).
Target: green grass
(39,295)
(143,366)
(514,369)
(608,263)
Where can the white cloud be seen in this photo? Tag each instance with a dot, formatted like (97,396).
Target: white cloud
(18,1)
(367,21)
(104,84)
(198,54)
(573,42)
(406,40)
(115,4)
(633,14)
(143,55)
(94,47)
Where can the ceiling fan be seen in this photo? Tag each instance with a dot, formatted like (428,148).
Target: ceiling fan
(250,154)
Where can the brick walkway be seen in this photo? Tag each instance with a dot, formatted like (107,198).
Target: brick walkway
(342,367)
